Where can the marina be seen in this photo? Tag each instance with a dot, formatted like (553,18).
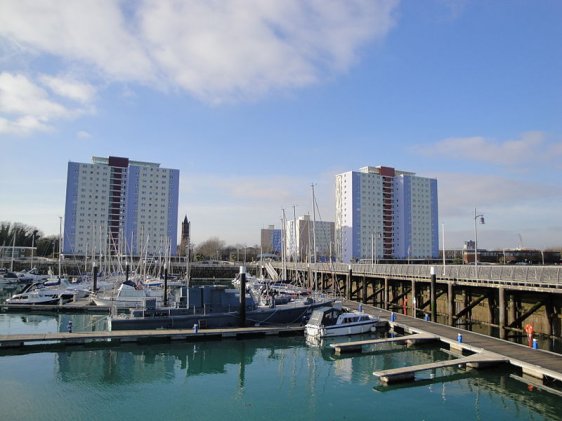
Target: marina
(402,356)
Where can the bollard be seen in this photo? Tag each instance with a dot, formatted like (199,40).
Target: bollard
(535,344)
(459,338)
(426,317)
(70,326)
(195,328)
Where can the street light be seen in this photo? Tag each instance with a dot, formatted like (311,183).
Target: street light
(477,219)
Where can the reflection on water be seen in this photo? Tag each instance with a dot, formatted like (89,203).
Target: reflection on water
(280,378)
(274,378)
(233,374)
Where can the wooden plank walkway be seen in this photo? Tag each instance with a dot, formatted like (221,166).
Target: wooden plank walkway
(402,374)
(534,362)
(357,346)
(23,341)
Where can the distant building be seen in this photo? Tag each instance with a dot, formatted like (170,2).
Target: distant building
(304,234)
(118,206)
(271,240)
(383,213)
(511,256)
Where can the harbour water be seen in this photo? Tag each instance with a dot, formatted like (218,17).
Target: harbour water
(253,379)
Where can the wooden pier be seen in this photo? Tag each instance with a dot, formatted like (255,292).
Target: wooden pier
(358,346)
(402,374)
(537,363)
(40,341)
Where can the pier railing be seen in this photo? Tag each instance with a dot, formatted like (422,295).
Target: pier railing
(538,276)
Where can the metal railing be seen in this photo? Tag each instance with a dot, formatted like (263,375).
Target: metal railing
(531,276)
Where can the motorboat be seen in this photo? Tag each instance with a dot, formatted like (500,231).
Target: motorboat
(7,277)
(38,293)
(129,295)
(30,276)
(338,321)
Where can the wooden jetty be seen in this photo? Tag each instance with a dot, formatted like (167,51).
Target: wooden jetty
(35,341)
(358,346)
(537,363)
(402,374)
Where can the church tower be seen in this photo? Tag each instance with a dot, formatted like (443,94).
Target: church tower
(184,244)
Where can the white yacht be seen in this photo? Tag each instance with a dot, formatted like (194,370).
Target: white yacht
(38,293)
(337,321)
(129,295)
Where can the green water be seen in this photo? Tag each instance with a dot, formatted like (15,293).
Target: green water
(254,379)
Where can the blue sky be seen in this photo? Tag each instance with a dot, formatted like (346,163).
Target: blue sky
(255,100)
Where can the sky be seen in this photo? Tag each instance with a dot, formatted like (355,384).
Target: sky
(255,101)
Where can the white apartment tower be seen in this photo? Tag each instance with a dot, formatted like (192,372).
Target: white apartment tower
(118,206)
(383,213)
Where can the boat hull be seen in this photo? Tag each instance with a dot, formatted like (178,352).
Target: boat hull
(341,330)
(290,314)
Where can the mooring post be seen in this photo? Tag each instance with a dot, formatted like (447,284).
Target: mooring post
(414,303)
(364,289)
(242,310)
(433,301)
(348,283)
(502,311)
(95,269)
(165,285)
(451,303)
(386,293)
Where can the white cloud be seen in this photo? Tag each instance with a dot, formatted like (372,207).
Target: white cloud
(19,95)
(217,51)
(244,48)
(531,148)
(69,88)
(26,107)
(88,31)
(82,134)
(461,192)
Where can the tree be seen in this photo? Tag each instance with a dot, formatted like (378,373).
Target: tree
(209,249)
(48,246)
(25,235)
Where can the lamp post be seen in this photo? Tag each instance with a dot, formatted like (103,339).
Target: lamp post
(477,218)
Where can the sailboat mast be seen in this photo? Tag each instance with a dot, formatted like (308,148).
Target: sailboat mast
(295,244)
(60,244)
(283,247)
(313,224)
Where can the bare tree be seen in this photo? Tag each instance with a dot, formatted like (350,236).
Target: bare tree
(210,249)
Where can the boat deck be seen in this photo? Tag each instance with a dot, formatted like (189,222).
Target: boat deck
(80,306)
